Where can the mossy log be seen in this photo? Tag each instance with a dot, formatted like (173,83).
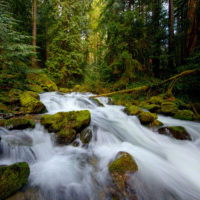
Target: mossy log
(174,80)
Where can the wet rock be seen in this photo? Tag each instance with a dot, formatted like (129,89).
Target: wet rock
(13,178)
(30,194)
(147,117)
(66,125)
(120,170)
(177,132)
(132,110)
(184,115)
(19,123)
(169,108)
(86,136)
(157,123)
(97,102)
(31,104)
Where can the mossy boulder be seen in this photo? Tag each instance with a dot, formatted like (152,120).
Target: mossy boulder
(35,88)
(151,107)
(41,79)
(177,132)
(66,125)
(13,178)
(65,90)
(184,115)
(132,110)
(19,123)
(31,103)
(120,168)
(169,108)
(147,117)
(158,100)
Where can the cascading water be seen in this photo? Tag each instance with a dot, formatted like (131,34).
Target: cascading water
(169,169)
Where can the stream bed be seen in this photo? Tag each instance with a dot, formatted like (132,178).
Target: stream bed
(169,169)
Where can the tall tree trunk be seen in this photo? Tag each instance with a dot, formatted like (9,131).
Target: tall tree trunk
(171,33)
(34,14)
(156,9)
(192,27)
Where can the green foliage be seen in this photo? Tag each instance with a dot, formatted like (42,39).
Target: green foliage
(15,52)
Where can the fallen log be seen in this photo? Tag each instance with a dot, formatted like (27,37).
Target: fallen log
(174,80)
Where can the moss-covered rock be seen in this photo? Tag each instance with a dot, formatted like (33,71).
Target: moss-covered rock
(147,117)
(184,115)
(120,168)
(14,95)
(31,104)
(13,178)
(169,108)
(65,90)
(157,123)
(151,107)
(66,125)
(3,108)
(45,83)
(177,132)
(35,88)
(19,123)
(157,100)
(132,110)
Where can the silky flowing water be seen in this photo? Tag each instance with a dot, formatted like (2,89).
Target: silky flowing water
(169,169)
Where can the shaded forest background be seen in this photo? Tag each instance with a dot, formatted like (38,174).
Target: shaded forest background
(102,45)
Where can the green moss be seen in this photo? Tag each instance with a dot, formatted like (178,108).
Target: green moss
(35,88)
(157,123)
(31,104)
(133,110)
(151,107)
(45,83)
(19,123)
(13,178)
(147,117)
(66,125)
(184,115)
(3,108)
(125,163)
(169,108)
(65,90)
(157,99)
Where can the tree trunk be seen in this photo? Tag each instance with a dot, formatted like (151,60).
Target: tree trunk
(171,33)
(34,15)
(192,27)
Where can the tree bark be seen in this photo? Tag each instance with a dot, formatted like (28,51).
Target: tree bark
(171,33)
(192,27)
(34,15)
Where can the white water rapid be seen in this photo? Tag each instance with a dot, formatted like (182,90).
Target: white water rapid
(169,169)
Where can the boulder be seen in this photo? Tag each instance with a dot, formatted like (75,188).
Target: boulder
(66,125)
(169,108)
(31,104)
(65,90)
(177,132)
(14,95)
(157,123)
(157,100)
(86,136)
(132,110)
(13,178)
(19,123)
(147,117)
(184,115)
(151,107)
(120,170)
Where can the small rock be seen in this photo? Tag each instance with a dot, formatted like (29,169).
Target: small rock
(86,136)
(177,132)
